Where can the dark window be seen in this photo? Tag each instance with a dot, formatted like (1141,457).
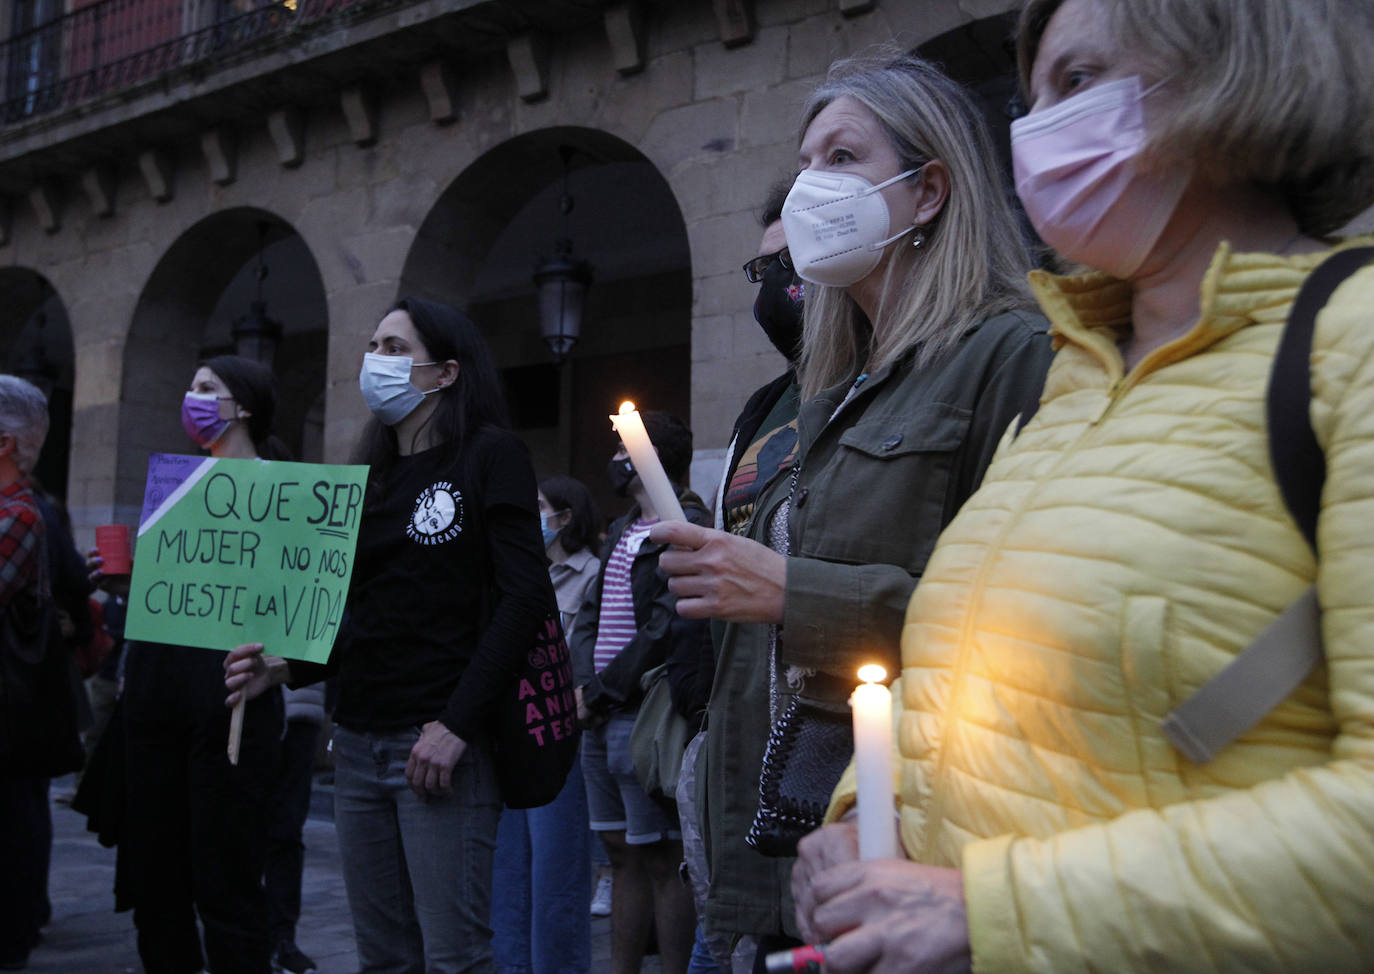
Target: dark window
(533,393)
(34,56)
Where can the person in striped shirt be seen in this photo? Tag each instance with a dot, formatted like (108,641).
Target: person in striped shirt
(627,626)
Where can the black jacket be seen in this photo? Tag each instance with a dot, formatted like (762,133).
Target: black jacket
(755,411)
(660,628)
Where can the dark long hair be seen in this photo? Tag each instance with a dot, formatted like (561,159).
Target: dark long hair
(473,401)
(253,387)
(570,494)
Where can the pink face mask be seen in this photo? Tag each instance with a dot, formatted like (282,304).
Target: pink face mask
(1077,176)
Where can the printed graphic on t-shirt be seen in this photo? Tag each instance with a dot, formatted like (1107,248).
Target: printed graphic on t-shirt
(773,451)
(438,515)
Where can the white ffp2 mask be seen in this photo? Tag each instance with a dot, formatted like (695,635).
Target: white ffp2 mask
(837,225)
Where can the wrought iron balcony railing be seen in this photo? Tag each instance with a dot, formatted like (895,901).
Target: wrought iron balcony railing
(111,45)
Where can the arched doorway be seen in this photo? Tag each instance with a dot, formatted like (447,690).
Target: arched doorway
(199,302)
(478,248)
(36,344)
(981,55)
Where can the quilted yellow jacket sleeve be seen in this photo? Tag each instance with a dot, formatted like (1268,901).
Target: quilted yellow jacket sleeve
(1276,876)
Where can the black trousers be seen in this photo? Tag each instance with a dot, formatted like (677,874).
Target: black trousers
(285,850)
(25,850)
(195,832)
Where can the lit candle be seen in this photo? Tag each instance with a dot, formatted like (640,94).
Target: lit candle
(872,703)
(630,428)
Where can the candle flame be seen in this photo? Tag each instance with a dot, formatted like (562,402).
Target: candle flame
(626,407)
(872,673)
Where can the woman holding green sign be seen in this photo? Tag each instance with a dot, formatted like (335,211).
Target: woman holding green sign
(449,538)
(194,837)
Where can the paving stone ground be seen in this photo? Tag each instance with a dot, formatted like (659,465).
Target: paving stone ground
(86,936)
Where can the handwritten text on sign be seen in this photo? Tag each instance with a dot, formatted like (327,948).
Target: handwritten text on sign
(236,551)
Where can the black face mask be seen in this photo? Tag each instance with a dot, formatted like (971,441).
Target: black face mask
(778,309)
(620,473)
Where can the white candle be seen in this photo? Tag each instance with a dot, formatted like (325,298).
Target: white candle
(872,703)
(630,428)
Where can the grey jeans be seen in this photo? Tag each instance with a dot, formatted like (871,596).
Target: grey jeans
(737,957)
(418,872)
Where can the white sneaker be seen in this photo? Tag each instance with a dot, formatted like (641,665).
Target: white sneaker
(601,899)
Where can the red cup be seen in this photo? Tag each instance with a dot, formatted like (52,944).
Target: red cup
(112,543)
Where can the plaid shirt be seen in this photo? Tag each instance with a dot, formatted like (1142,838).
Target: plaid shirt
(21,540)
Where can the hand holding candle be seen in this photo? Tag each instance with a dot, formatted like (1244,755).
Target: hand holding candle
(872,703)
(879,912)
(630,428)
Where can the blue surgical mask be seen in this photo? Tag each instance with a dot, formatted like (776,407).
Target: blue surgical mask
(546,524)
(550,532)
(386,386)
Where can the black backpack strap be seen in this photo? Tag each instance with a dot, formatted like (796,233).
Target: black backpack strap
(1272,667)
(1299,464)
(1031,407)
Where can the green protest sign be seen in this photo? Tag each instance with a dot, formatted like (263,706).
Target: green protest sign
(240,551)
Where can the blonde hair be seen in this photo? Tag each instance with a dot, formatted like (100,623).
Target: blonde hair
(973,262)
(1272,92)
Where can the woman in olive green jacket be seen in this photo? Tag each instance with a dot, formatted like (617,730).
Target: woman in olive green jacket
(899,420)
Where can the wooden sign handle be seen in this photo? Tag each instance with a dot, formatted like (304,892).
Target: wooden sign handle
(235,731)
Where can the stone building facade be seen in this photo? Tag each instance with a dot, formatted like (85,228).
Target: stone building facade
(360,151)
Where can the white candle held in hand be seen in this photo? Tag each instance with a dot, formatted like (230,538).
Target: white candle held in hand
(630,427)
(872,703)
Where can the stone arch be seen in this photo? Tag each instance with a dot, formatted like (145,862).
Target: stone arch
(205,280)
(36,344)
(981,55)
(477,249)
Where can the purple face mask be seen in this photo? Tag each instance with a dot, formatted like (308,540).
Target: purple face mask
(200,418)
(1077,174)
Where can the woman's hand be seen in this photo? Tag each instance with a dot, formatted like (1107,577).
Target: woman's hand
(432,760)
(823,849)
(584,713)
(880,915)
(116,585)
(718,575)
(248,673)
(587,718)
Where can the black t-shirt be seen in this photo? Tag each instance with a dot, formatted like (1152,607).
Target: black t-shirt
(446,542)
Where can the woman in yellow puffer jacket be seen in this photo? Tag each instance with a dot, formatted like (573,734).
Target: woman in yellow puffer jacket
(1131,542)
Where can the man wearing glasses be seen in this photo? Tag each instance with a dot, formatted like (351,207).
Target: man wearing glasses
(763,446)
(764,441)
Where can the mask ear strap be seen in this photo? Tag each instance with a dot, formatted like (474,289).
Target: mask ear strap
(1155,87)
(895,179)
(896,236)
(883,185)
